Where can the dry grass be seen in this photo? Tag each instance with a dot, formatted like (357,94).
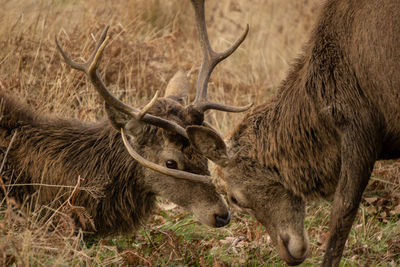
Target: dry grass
(150,40)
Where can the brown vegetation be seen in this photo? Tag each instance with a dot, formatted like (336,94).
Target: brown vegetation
(150,41)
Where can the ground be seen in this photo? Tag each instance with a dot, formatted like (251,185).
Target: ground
(150,41)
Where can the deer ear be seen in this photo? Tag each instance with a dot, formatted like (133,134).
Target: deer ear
(209,143)
(178,87)
(120,120)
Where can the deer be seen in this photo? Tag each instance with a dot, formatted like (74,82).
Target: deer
(334,115)
(128,158)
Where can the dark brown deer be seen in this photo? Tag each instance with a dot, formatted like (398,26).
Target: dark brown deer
(336,113)
(49,151)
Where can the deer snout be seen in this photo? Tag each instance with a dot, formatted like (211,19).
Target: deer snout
(292,248)
(222,220)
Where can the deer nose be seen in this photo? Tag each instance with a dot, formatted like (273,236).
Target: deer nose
(222,220)
(294,250)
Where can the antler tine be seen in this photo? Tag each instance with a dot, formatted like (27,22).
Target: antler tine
(171,172)
(83,66)
(90,68)
(210,60)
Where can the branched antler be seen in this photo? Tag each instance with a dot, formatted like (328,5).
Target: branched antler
(195,110)
(90,68)
(210,60)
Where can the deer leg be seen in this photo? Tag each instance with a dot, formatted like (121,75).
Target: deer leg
(358,155)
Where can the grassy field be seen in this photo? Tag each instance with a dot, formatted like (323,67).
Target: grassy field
(150,41)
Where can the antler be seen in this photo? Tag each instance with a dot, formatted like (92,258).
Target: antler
(158,168)
(210,60)
(90,68)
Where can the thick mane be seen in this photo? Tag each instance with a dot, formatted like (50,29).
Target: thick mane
(296,140)
(58,151)
(293,132)
(13,113)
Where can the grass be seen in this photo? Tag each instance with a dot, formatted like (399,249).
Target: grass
(150,40)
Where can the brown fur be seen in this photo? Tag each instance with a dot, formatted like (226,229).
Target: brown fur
(51,150)
(336,113)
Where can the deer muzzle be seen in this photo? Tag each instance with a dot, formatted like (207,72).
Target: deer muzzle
(293,248)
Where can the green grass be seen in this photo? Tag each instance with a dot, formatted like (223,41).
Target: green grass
(150,40)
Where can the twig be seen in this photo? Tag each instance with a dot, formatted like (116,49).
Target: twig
(65,202)
(40,184)
(148,237)
(86,189)
(8,150)
(137,255)
(235,242)
(384,181)
(186,224)
(3,186)
(73,194)
(44,248)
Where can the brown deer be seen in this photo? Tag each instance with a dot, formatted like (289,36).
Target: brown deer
(335,114)
(48,151)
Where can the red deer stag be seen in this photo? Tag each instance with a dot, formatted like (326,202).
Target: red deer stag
(52,151)
(335,114)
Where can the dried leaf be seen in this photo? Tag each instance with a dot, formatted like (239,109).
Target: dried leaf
(396,210)
(217,263)
(322,240)
(228,240)
(371,200)
(167,206)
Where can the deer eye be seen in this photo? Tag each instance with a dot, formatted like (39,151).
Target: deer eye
(171,164)
(234,201)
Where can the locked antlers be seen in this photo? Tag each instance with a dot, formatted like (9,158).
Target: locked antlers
(198,107)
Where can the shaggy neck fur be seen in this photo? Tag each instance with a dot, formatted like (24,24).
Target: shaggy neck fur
(114,194)
(297,134)
(293,134)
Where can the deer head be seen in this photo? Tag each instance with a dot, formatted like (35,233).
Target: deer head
(255,189)
(250,187)
(156,136)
